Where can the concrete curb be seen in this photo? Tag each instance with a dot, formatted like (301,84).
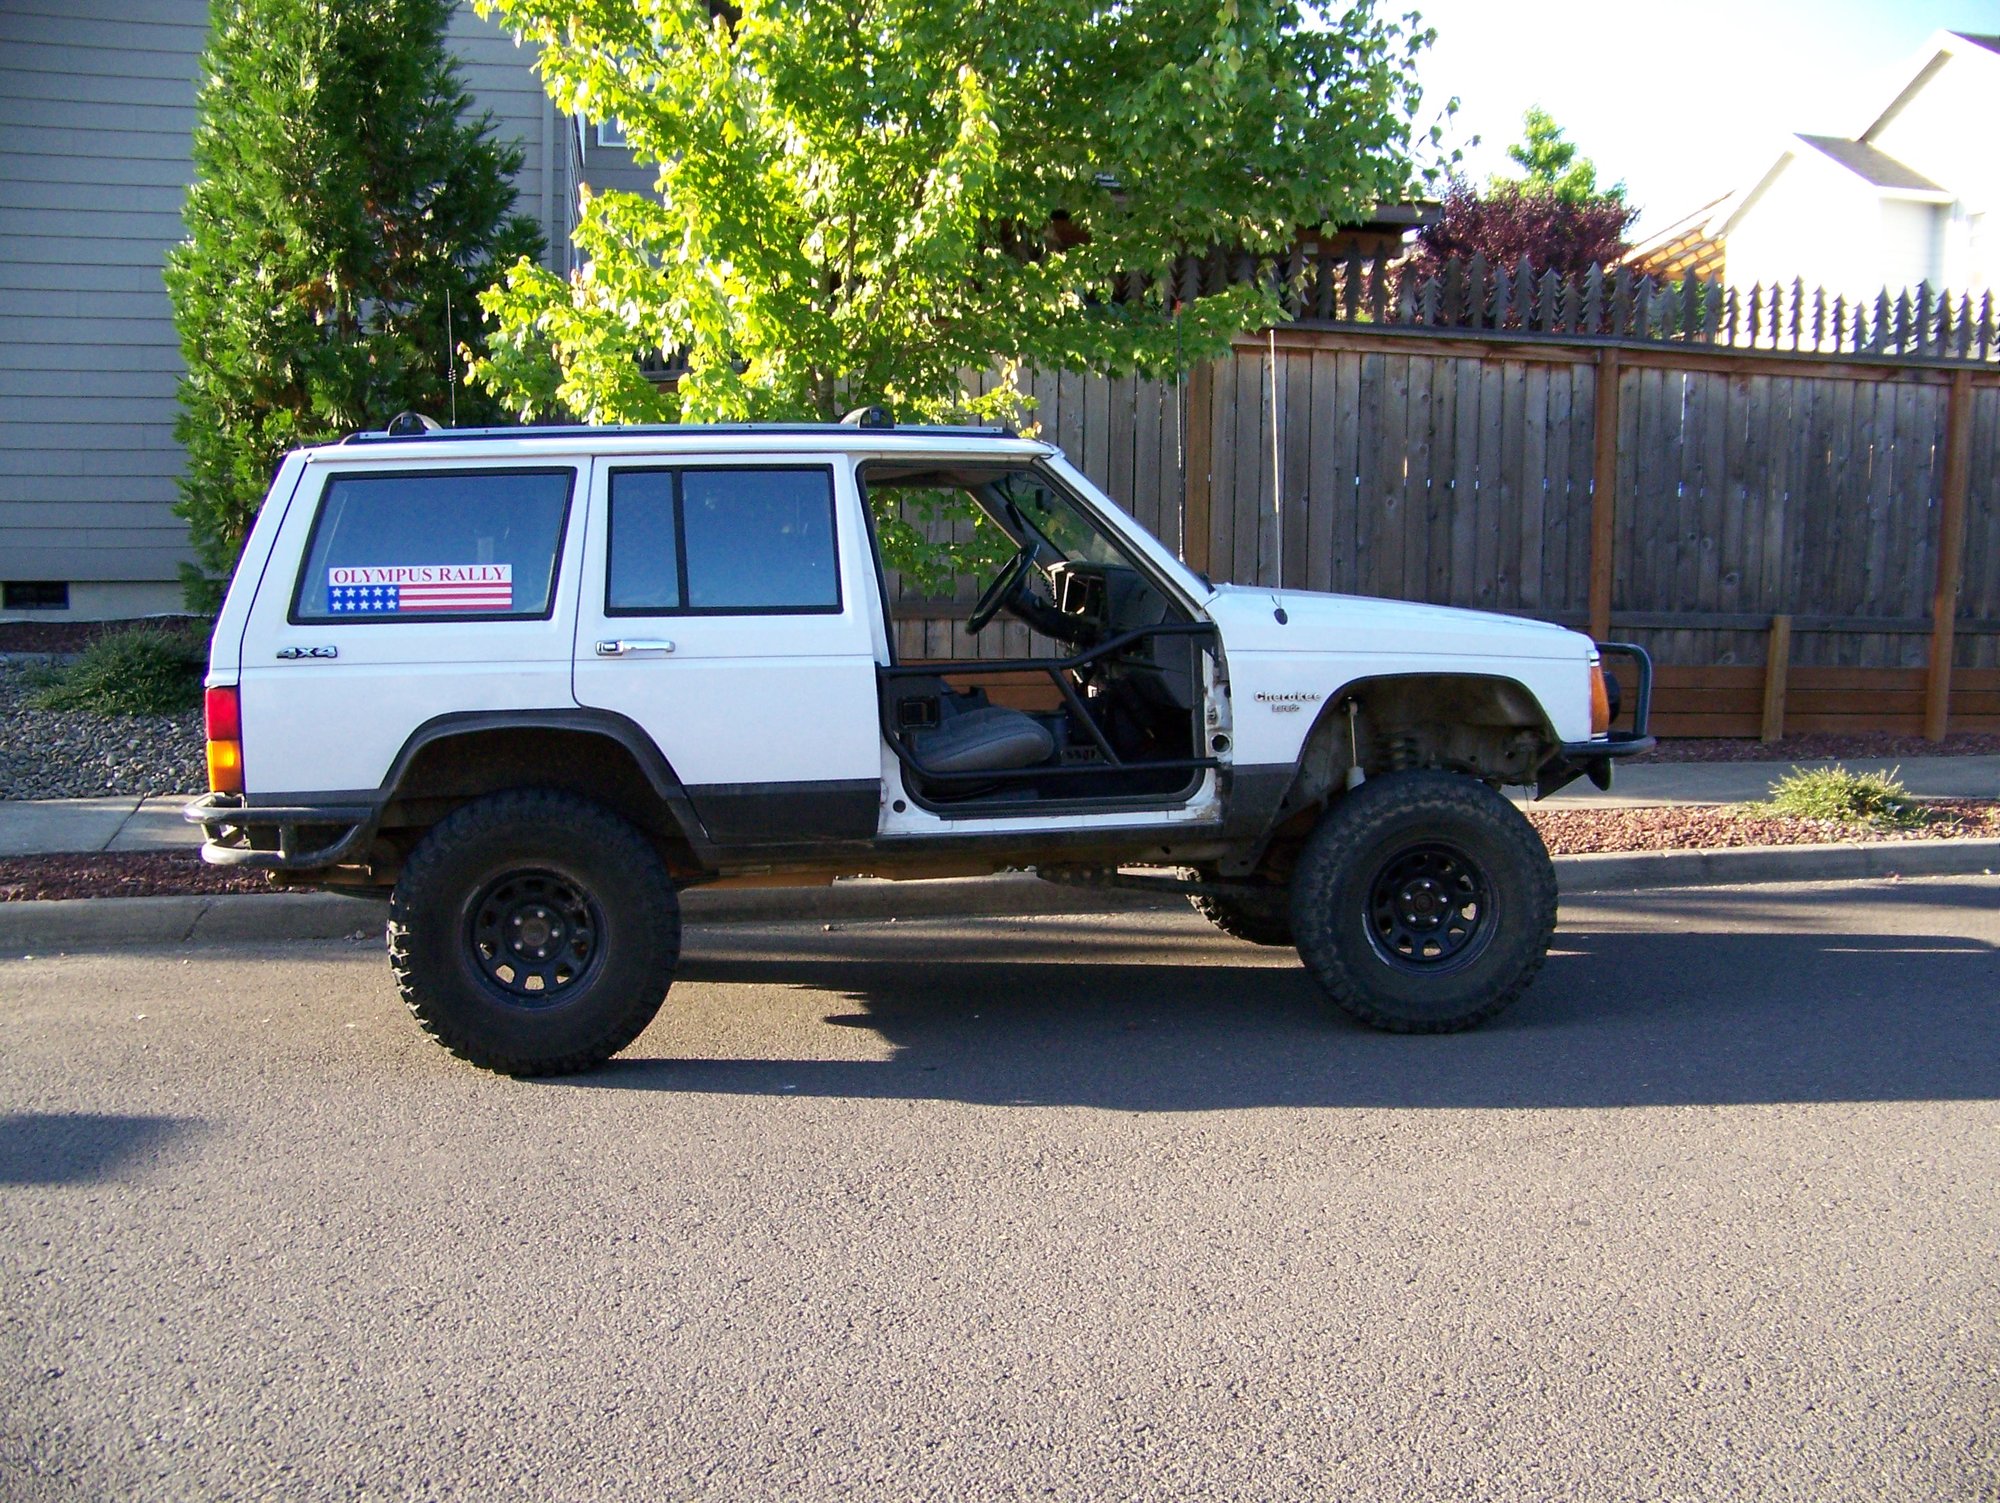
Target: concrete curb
(1742,866)
(263,918)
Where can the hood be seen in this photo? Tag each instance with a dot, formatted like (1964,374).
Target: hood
(1317,623)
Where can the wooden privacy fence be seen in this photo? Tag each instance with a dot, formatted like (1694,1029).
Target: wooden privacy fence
(1470,294)
(1805,541)
(1681,498)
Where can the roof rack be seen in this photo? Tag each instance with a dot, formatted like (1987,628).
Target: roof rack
(402,432)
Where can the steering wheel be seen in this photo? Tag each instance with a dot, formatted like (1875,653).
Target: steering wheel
(1008,586)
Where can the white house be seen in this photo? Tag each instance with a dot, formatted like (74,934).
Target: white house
(1904,200)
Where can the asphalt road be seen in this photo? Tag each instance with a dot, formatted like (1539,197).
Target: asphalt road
(1062,1208)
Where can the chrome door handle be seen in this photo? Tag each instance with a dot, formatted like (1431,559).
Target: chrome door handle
(619,648)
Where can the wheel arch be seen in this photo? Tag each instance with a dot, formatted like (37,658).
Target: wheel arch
(1489,726)
(596,754)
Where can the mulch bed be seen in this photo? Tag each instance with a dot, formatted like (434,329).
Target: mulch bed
(1568,832)
(74,636)
(1871,747)
(138,874)
(1691,827)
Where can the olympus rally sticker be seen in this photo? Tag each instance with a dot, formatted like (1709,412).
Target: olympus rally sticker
(420,587)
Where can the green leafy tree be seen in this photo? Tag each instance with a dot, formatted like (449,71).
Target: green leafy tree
(1551,164)
(865,202)
(342,200)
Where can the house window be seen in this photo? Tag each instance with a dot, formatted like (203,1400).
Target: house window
(611,133)
(35,595)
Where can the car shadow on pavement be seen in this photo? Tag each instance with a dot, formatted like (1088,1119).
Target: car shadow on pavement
(1617,1018)
(79,1148)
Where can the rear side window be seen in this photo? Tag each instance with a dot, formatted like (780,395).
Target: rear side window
(722,541)
(435,545)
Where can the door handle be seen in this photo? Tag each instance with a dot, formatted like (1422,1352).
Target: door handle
(620,648)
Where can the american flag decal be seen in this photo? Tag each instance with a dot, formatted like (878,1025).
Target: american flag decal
(372,591)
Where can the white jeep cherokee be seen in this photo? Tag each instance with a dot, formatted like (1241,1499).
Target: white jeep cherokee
(535,681)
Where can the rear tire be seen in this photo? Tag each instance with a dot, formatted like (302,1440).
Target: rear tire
(1423,902)
(1254,916)
(534,933)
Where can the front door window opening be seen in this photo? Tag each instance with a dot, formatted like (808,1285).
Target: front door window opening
(1115,718)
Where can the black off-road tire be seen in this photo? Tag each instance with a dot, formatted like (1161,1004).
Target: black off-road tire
(1423,902)
(579,875)
(1258,917)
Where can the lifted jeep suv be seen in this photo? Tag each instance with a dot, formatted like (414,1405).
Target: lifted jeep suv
(535,682)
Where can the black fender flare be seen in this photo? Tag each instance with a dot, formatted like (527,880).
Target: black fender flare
(1264,798)
(609,724)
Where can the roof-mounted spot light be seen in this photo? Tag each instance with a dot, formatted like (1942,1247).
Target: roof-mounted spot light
(868,417)
(411,424)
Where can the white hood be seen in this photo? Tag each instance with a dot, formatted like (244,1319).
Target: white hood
(1317,622)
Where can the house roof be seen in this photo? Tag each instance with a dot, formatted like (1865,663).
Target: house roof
(1942,46)
(1700,234)
(1683,248)
(1873,165)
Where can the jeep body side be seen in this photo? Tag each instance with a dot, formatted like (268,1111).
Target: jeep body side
(446,653)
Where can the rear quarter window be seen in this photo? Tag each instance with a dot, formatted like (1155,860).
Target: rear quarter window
(419,545)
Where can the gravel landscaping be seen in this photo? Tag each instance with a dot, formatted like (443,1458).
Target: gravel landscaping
(1693,827)
(75,754)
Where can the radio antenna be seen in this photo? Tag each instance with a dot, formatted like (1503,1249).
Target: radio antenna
(450,357)
(1277,477)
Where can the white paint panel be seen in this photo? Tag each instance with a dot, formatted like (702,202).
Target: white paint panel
(1329,641)
(318,725)
(745,698)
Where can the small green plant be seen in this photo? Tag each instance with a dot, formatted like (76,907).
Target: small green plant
(1853,798)
(140,671)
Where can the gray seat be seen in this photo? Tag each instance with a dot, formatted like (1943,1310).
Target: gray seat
(989,739)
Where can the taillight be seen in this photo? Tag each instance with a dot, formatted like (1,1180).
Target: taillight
(1600,701)
(222,709)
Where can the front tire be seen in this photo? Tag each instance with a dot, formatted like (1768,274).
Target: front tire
(534,933)
(1423,902)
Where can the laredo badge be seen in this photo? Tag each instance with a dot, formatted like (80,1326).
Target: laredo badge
(1288,704)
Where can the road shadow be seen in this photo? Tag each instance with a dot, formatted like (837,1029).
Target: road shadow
(79,1148)
(1618,1018)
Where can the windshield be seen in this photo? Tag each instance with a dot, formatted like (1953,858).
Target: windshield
(1051,515)
(937,522)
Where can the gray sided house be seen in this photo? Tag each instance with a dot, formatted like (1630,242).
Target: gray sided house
(96,114)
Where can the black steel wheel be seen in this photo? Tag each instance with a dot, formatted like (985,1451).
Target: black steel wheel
(534,932)
(1430,909)
(1423,902)
(534,936)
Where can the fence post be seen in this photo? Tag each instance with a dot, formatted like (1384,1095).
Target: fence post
(1950,554)
(1198,485)
(1603,494)
(1777,663)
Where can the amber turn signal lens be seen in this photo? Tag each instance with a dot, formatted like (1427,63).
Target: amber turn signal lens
(225,767)
(1600,701)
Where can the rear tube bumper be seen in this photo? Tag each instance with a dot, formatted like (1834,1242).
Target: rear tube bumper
(228,824)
